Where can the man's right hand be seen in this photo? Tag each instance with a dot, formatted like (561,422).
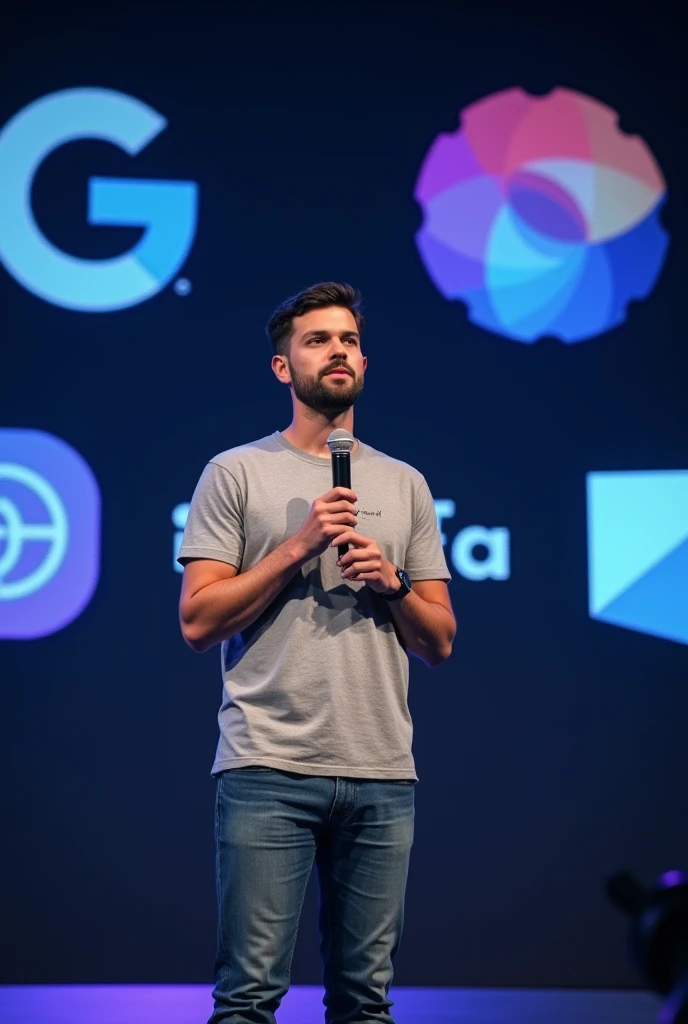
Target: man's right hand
(330,515)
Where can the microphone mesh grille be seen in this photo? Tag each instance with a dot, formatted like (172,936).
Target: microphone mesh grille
(340,441)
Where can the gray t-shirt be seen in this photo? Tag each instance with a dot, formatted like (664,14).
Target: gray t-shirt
(318,683)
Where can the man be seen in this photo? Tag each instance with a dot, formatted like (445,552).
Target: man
(314,761)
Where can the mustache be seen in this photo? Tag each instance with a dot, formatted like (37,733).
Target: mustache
(338,366)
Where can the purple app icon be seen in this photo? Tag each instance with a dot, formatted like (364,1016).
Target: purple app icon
(49,534)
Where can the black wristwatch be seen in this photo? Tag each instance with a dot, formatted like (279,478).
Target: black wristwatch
(403,590)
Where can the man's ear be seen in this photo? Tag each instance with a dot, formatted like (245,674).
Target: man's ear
(280,368)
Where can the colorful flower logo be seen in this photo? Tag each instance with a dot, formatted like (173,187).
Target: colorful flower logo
(542,216)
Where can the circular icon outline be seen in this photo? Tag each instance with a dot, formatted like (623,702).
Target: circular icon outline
(17,533)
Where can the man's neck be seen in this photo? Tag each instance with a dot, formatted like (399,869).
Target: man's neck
(309,430)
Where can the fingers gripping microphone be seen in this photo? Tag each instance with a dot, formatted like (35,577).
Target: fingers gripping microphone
(340,442)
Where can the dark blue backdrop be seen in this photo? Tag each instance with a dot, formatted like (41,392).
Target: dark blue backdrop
(551,747)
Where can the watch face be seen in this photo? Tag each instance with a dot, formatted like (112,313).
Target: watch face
(403,576)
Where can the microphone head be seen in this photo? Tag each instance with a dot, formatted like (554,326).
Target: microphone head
(340,441)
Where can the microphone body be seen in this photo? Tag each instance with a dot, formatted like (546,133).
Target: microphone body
(340,442)
(341,477)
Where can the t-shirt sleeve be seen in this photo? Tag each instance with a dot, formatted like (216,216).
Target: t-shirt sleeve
(215,524)
(424,557)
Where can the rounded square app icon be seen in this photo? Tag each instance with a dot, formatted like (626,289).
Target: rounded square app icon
(49,534)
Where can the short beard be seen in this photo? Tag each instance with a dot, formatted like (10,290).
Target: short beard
(314,393)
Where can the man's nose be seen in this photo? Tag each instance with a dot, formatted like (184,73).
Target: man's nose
(338,349)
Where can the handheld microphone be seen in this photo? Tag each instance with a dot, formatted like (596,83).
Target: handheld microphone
(340,442)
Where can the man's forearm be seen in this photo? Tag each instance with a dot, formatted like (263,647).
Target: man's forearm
(426,628)
(226,607)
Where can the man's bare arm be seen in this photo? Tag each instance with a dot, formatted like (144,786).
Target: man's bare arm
(426,621)
(217,601)
(424,618)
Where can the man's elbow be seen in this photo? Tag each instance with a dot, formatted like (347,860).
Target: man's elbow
(442,648)
(198,646)
(436,657)
(194,638)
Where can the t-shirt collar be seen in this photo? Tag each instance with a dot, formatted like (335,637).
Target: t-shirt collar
(315,460)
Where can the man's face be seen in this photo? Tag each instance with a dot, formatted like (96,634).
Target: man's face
(325,361)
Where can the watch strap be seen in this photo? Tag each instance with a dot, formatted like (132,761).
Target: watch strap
(403,590)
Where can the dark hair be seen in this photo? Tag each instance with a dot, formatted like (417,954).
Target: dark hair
(318,296)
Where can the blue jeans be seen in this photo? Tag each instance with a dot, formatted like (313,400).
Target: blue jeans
(271,826)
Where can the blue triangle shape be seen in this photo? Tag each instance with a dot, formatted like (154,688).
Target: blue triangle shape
(658,602)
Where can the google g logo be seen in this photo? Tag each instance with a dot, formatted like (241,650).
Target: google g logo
(167,209)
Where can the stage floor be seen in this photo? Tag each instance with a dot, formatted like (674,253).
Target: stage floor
(191,1004)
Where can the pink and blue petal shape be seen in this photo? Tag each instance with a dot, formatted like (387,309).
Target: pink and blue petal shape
(525,226)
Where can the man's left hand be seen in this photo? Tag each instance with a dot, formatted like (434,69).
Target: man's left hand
(365,562)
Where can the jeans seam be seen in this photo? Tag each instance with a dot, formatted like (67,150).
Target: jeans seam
(218,871)
(298,919)
(330,923)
